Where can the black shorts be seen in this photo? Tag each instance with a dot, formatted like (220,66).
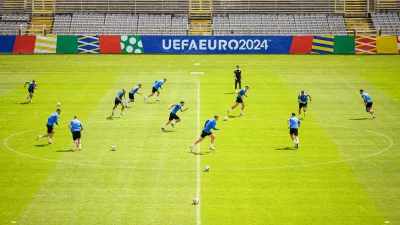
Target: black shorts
(205,134)
(117,102)
(368,105)
(31,91)
(154,90)
(173,116)
(49,128)
(294,131)
(239,100)
(76,135)
(131,96)
(301,105)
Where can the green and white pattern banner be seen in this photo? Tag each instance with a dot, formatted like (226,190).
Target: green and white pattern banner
(131,44)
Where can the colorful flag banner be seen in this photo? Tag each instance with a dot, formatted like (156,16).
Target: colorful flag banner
(322,45)
(88,44)
(45,44)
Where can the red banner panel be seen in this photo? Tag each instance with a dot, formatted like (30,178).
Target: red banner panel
(110,44)
(24,44)
(301,45)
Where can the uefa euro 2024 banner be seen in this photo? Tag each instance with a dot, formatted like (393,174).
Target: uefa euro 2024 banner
(216,44)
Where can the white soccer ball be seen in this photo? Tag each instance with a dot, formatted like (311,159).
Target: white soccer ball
(206,168)
(114,148)
(58,104)
(196,201)
(225,118)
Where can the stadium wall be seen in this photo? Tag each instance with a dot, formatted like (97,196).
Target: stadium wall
(200,44)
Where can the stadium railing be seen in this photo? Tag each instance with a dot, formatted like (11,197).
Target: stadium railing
(387,5)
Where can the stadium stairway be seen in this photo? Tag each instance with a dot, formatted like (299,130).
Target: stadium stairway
(200,17)
(356,8)
(42,16)
(363,25)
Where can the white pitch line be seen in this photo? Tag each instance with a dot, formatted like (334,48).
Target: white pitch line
(198,213)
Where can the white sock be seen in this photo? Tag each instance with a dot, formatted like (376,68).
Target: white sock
(304,113)
(229,109)
(146,97)
(50,139)
(211,146)
(157,98)
(173,123)
(40,136)
(241,111)
(163,126)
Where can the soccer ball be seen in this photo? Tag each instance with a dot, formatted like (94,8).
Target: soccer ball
(206,168)
(58,104)
(113,148)
(225,118)
(196,201)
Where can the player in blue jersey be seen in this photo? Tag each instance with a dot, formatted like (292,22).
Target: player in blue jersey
(132,93)
(53,119)
(302,98)
(367,103)
(31,89)
(173,116)
(239,99)
(118,101)
(294,125)
(76,127)
(209,124)
(157,85)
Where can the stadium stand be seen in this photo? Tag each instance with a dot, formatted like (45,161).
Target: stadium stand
(387,23)
(62,24)
(11,24)
(278,24)
(117,24)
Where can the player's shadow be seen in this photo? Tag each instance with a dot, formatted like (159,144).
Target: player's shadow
(360,118)
(168,131)
(285,149)
(65,150)
(41,145)
(199,153)
(110,118)
(22,103)
(150,102)
(230,116)
(231,93)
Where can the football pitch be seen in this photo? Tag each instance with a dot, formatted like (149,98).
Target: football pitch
(346,170)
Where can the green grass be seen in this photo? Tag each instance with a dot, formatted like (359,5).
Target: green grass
(343,173)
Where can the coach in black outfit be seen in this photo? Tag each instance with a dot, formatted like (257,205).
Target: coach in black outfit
(238,78)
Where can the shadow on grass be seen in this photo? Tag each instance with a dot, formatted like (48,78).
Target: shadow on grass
(69,150)
(22,103)
(110,118)
(199,153)
(361,118)
(168,131)
(232,116)
(41,145)
(150,102)
(301,118)
(285,149)
(231,93)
